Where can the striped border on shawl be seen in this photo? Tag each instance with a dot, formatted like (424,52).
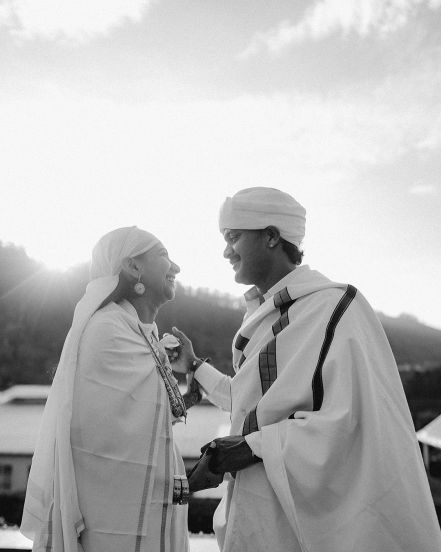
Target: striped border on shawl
(281,298)
(268,365)
(317,381)
(38,494)
(268,356)
(250,422)
(49,542)
(148,481)
(240,344)
(166,507)
(241,360)
(283,321)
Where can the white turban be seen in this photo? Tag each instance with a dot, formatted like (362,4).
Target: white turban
(258,208)
(51,498)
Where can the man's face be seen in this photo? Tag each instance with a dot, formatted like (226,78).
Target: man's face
(248,254)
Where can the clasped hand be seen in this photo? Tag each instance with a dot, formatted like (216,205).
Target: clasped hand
(230,454)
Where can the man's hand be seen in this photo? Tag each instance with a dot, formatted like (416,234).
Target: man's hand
(201,477)
(230,454)
(183,363)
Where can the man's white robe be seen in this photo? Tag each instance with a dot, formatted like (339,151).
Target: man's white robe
(342,469)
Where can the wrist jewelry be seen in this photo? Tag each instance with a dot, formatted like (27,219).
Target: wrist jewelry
(194,364)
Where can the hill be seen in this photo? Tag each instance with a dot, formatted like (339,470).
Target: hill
(411,341)
(36,308)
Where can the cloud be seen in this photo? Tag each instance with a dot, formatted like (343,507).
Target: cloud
(422,189)
(246,139)
(78,20)
(327,17)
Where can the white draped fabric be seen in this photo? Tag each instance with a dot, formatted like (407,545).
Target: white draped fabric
(54,511)
(122,440)
(342,470)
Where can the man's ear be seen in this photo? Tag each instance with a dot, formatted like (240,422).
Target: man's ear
(273,236)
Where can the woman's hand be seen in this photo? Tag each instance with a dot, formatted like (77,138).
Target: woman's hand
(183,363)
(172,346)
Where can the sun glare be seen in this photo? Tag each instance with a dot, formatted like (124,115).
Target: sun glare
(57,258)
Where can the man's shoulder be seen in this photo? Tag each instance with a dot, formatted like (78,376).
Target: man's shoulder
(317,308)
(326,296)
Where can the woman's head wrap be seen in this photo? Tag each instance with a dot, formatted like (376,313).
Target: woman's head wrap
(258,208)
(113,247)
(51,509)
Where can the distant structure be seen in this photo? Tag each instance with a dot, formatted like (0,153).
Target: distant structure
(21,409)
(430,437)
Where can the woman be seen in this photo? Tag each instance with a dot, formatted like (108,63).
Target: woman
(105,467)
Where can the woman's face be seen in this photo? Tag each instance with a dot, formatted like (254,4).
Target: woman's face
(158,274)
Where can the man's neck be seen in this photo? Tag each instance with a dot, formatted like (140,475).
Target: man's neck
(277,273)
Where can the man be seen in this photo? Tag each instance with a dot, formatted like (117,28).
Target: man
(322,455)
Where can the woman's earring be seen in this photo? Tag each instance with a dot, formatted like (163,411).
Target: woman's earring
(139,287)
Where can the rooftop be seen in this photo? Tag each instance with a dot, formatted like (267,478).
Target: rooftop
(21,409)
(431,433)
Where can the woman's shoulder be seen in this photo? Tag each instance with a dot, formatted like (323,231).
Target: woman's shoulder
(108,322)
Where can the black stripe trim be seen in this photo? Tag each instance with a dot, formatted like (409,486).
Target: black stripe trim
(268,365)
(250,422)
(283,321)
(268,357)
(241,360)
(317,380)
(281,297)
(241,342)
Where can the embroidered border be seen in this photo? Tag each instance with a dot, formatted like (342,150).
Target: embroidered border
(50,530)
(241,360)
(241,342)
(166,510)
(268,365)
(317,380)
(148,480)
(281,297)
(283,321)
(250,422)
(268,356)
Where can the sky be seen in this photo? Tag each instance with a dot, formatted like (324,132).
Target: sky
(151,112)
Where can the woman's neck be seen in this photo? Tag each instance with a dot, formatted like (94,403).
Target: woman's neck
(146,311)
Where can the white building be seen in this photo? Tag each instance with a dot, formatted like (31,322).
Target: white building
(430,436)
(21,408)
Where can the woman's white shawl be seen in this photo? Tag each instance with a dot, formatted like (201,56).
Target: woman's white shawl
(323,405)
(52,516)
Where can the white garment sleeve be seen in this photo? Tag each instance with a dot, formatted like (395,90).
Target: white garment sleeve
(254,441)
(216,385)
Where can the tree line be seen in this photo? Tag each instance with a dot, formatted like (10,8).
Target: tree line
(37,304)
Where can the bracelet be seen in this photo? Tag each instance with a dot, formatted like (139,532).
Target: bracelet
(194,365)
